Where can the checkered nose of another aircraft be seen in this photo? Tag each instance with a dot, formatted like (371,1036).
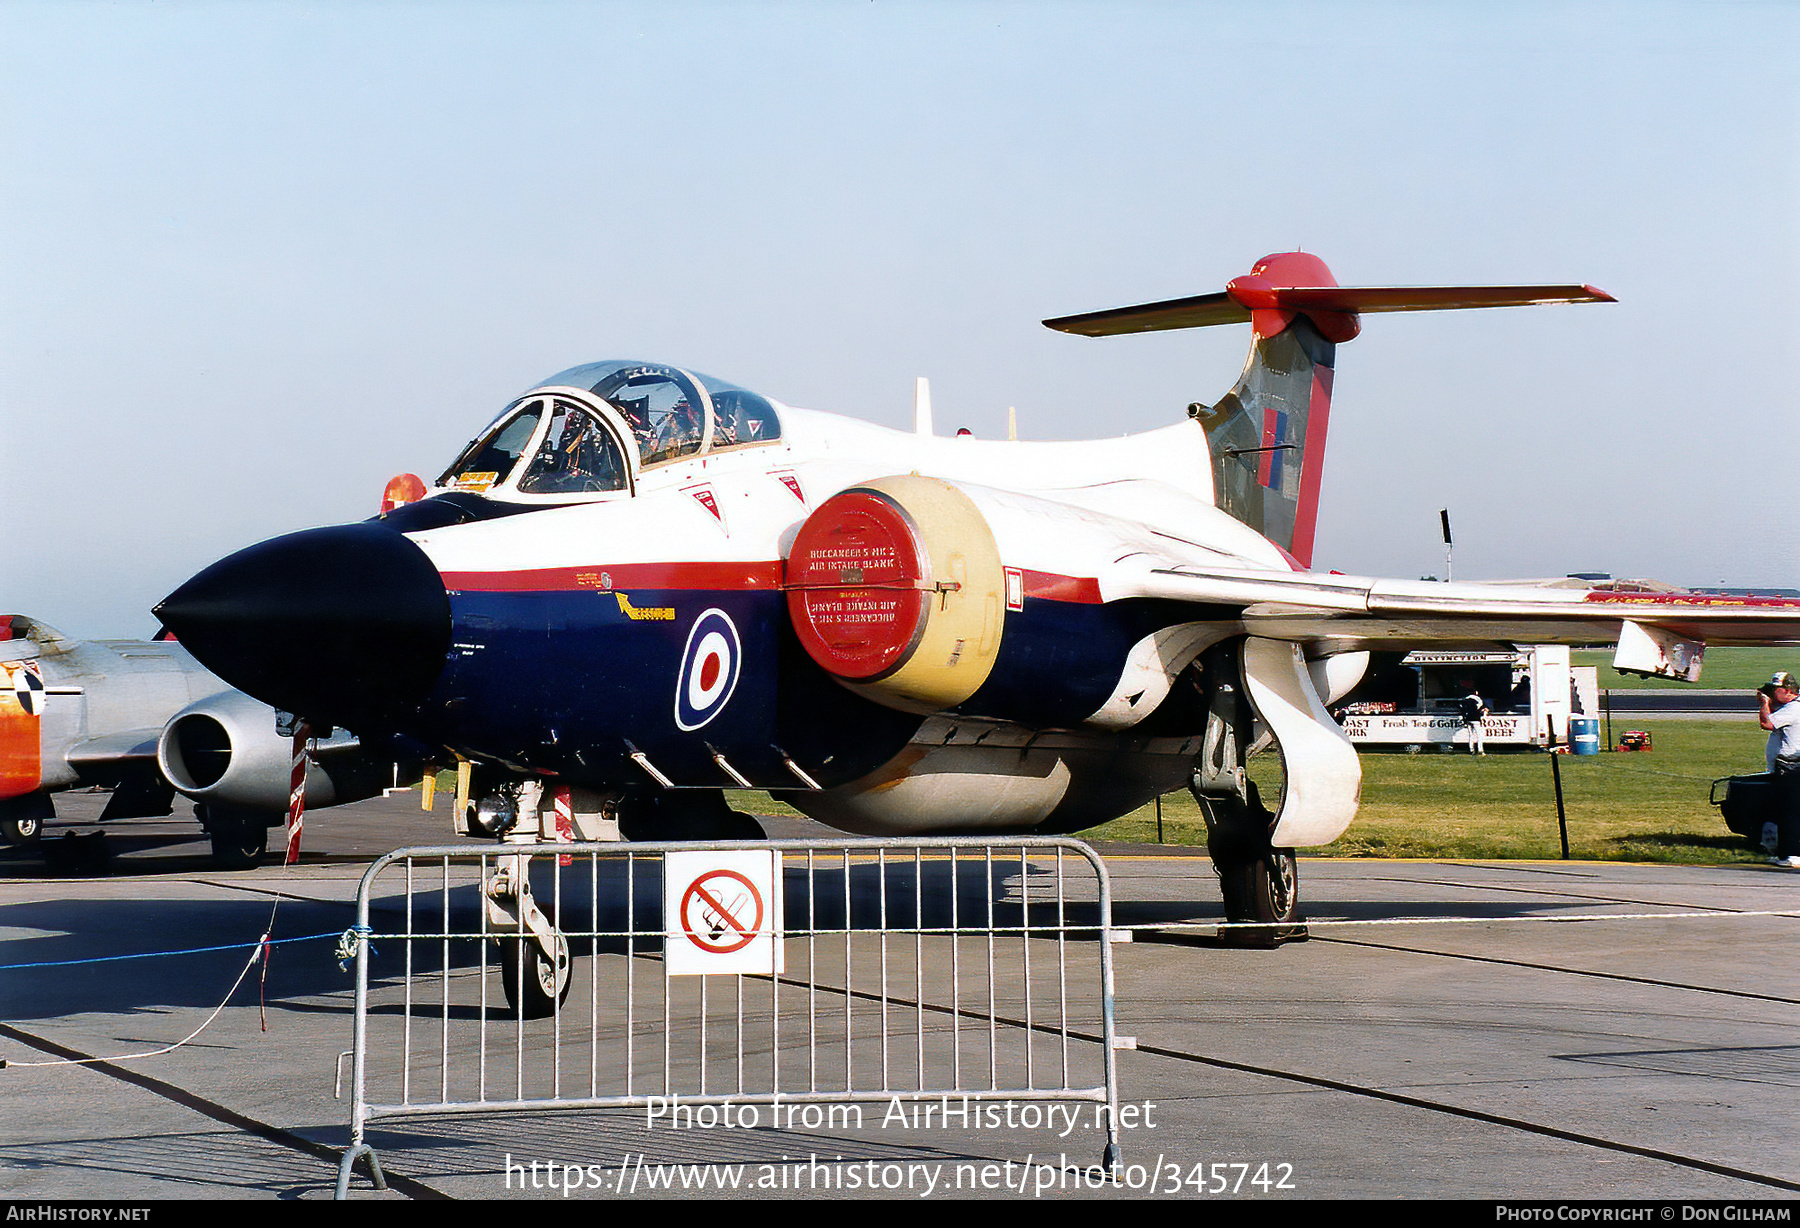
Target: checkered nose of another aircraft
(345,625)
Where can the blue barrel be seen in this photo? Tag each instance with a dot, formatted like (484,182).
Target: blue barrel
(1584,735)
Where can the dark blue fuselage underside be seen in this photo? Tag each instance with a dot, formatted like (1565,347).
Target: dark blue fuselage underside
(570,681)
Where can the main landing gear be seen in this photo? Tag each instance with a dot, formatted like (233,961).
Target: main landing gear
(1260,883)
(240,838)
(22,818)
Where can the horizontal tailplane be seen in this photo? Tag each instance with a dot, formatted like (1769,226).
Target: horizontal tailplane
(1287,284)
(1267,435)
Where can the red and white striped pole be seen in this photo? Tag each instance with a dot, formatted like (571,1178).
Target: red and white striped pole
(296,817)
(565,820)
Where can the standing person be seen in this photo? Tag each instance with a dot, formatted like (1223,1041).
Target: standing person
(1780,715)
(1474,710)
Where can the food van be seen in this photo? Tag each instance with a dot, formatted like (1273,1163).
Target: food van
(1414,702)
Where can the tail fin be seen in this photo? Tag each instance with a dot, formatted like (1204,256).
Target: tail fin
(1267,435)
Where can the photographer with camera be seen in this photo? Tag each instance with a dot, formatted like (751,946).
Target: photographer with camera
(1780,715)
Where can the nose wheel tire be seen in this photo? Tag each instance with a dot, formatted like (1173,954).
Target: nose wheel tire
(544,985)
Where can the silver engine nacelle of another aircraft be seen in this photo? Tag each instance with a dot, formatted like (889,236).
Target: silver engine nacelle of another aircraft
(224,750)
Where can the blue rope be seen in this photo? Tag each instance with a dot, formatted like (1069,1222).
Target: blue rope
(106,959)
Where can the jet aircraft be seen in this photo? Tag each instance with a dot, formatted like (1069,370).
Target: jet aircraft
(146,720)
(640,585)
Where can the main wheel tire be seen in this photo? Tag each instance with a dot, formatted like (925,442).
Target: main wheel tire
(1265,890)
(22,830)
(239,842)
(22,818)
(544,986)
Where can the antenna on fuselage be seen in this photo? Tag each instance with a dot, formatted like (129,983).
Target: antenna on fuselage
(922,406)
(1012,423)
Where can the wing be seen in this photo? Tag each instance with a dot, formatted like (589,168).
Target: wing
(1293,617)
(132,747)
(1355,612)
(125,762)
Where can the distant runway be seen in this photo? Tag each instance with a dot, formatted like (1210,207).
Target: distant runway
(1490,1046)
(1684,702)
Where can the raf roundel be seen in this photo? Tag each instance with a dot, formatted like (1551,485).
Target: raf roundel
(709,670)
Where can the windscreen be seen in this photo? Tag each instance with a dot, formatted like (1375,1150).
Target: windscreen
(490,459)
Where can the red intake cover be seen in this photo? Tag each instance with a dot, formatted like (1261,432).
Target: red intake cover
(853,581)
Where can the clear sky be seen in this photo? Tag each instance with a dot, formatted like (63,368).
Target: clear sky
(259,257)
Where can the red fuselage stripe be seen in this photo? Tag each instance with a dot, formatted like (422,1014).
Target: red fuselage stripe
(1048,586)
(715,577)
(707,577)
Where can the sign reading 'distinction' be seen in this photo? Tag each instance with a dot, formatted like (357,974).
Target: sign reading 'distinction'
(722,913)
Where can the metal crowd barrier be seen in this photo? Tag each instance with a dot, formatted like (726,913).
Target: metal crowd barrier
(963,967)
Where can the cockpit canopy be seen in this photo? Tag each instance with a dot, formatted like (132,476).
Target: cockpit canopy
(577,443)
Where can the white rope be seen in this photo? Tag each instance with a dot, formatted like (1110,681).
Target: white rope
(255,955)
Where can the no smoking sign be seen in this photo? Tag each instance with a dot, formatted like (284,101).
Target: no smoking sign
(721,913)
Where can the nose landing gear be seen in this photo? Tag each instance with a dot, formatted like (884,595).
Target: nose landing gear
(534,967)
(527,815)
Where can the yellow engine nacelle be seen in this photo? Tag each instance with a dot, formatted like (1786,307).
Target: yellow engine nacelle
(895,588)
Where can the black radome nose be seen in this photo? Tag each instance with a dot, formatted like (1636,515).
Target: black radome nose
(346,625)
